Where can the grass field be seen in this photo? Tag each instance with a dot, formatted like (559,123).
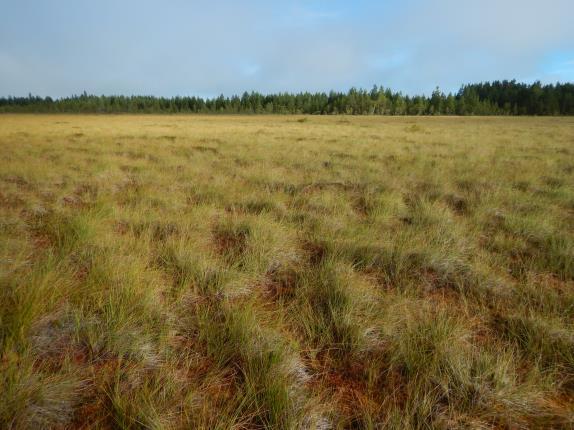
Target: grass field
(174,272)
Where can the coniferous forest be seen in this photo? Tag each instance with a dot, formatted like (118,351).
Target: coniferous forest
(490,98)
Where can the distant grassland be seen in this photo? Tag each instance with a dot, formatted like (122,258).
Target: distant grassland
(174,272)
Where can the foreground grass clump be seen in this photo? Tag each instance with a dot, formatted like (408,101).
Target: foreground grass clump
(269,272)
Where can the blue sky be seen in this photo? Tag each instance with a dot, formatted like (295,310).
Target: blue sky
(195,47)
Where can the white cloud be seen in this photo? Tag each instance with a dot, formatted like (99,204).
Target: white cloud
(212,47)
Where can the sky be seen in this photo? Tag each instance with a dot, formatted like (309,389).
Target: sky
(174,47)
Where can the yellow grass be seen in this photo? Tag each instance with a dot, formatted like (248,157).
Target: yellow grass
(286,272)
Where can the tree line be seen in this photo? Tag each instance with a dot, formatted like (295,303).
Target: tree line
(489,98)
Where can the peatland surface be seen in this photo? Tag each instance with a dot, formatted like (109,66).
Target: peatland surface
(174,272)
